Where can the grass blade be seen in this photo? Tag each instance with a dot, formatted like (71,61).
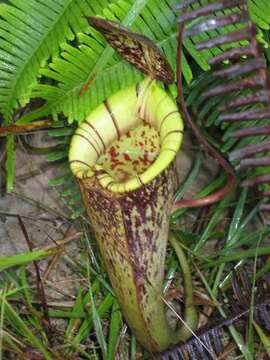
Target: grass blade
(98,326)
(88,323)
(264,338)
(25,258)
(115,325)
(240,256)
(16,322)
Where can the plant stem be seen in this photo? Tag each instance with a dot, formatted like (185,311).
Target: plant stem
(21,129)
(190,315)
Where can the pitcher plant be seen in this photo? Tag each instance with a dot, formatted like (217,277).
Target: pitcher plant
(123,158)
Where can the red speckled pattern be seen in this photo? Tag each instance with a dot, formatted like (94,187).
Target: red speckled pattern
(132,154)
(132,230)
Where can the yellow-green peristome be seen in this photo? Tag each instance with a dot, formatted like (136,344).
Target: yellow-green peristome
(144,104)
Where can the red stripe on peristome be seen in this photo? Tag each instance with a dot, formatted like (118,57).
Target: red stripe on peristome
(137,89)
(89,142)
(167,149)
(108,108)
(81,162)
(171,132)
(97,133)
(166,117)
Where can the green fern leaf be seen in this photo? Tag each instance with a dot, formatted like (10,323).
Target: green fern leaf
(30,33)
(49,24)
(260,13)
(94,62)
(77,65)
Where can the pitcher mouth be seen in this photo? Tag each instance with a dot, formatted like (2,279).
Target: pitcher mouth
(129,139)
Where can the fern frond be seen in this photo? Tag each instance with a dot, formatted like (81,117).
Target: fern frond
(207,110)
(77,66)
(30,33)
(260,13)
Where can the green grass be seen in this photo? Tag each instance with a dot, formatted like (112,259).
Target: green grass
(91,326)
(84,321)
